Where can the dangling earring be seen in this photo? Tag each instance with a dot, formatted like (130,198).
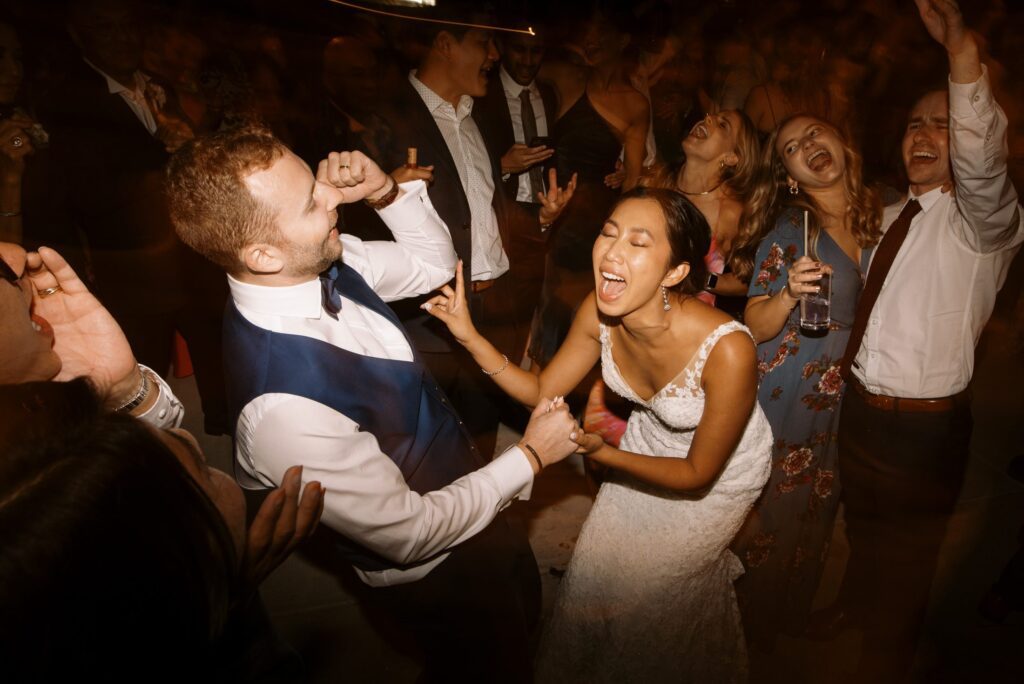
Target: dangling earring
(794,188)
(664,298)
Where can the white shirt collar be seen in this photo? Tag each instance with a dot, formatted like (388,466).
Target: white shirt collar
(928,199)
(513,89)
(435,102)
(291,301)
(115,87)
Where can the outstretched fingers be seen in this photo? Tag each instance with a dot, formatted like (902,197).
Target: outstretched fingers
(48,269)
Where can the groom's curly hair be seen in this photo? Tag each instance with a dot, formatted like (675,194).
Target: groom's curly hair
(689,235)
(211,207)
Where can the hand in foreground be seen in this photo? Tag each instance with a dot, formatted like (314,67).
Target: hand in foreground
(520,157)
(556,199)
(551,431)
(616,178)
(944,22)
(403,174)
(451,308)
(172,132)
(804,275)
(588,442)
(283,521)
(355,175)
(87,339)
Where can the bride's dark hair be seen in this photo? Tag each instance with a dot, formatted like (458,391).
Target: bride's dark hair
(689,235)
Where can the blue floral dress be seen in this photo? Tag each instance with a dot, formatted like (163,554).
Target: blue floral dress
(785,539)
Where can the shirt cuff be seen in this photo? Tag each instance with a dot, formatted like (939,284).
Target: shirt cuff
(167,411)
(513,475)
(971,100)
(409,207)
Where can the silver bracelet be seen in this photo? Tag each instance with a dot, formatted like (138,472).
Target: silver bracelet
(140,395)
(493,373)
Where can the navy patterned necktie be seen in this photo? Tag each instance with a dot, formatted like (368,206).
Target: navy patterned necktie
(330,298)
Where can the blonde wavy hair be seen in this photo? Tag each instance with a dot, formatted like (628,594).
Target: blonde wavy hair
(770,196)
(739,181)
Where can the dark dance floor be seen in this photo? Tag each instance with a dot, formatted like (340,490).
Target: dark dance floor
(325,624)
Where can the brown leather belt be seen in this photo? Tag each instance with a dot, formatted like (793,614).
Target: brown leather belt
(886,403)
(478,286)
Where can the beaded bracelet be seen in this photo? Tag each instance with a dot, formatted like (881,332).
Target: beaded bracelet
(493,373)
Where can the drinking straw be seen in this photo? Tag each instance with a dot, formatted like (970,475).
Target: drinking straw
(807,247)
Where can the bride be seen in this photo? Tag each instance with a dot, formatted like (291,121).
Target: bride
(648,594)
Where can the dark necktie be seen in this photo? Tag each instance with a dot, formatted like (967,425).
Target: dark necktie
(880,265)
(330,298)
(529,133)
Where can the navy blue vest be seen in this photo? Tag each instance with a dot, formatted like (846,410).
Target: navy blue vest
(397,401)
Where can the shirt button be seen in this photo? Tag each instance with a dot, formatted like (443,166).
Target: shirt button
(977,97)
(874,321)
(162,413)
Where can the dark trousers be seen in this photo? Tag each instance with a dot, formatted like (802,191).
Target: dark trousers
(478,401)
(472,615)
(901,475)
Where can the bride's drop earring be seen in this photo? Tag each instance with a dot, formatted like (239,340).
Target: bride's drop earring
(664,298)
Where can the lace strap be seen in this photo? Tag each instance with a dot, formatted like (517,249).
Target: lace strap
(711,340)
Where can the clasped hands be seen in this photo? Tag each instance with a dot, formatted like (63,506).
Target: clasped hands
(451,309)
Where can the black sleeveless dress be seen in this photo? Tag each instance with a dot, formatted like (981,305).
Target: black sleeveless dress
(585,144)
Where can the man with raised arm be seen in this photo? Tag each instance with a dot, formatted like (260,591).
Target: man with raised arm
(906,418)
(321,373)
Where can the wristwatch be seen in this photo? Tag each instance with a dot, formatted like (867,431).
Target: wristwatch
(711,282)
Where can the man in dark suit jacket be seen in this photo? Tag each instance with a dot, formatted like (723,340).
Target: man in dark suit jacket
(516,110)
(432,113)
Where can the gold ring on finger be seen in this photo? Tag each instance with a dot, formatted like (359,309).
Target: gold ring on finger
(50,291)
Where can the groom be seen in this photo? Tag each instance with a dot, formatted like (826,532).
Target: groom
(320,373)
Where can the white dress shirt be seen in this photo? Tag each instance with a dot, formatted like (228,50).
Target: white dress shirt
(167,410)
(133,97)
(937,297)
(513,90)
(367,499)
(467,148)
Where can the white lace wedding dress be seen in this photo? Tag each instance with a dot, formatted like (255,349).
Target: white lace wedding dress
(648,595)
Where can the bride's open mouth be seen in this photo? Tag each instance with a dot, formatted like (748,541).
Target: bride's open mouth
(611,286)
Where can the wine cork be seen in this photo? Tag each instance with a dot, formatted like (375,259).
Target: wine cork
(410,158)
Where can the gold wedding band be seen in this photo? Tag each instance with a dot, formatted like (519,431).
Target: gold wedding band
(342,166)
(50,291)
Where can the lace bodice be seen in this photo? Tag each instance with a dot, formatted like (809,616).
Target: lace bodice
(648,596)
(664,424)
(679,403)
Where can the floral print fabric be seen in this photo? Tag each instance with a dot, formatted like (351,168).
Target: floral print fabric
(785,539)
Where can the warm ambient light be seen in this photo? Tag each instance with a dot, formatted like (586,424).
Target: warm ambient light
(528,31)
